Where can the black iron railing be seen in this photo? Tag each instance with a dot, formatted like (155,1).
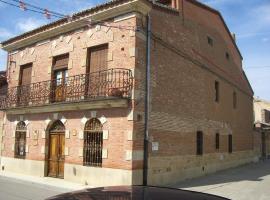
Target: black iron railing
(111,83)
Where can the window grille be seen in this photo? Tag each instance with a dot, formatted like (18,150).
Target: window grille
(93,142)
(20,140)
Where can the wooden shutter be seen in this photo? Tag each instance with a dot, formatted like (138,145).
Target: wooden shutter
(26,74)
(98,57)
(60,62)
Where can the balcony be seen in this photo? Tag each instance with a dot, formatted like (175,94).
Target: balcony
(108,88)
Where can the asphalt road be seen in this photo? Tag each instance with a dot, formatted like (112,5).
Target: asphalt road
(13,189)
(249,182)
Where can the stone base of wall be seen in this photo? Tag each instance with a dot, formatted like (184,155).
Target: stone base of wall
(22,166)
(91,176)
(171,170)
(95,176)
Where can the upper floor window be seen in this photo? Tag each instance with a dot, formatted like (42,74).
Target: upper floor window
(234,100)
(217,140)
(210,41)
(230,143)
(266,116)
(199,143)
(60,77)
(216,91)
(227,55)
(25,74)
(20,140)
(165,2)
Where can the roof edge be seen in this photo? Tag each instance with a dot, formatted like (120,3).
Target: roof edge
(222,19)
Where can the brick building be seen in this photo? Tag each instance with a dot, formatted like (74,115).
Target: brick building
(89,94)
(262,125)
(3,92)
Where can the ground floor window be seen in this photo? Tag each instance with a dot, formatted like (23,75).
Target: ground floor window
(217,141)
(93,142)
(20,140)
(199,143)
(230,143)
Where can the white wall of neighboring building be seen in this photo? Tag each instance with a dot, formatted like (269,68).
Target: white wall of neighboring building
(260,105)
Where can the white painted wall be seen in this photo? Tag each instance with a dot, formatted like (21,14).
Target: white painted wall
(260,105)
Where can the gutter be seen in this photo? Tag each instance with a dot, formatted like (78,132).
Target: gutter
(147,102)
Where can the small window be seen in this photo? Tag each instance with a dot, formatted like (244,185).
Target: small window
(216,91)
(199,143)
(227,56)
(234,100)
(20,141)
(217,140)
(230,144)
(165,2)
(93,142)
(210,41)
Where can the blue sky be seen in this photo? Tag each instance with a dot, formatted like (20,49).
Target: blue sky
(249,19)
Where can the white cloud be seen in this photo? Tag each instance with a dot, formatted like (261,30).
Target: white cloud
(265,39)
(24,25)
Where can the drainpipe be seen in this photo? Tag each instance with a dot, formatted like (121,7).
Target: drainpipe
(147,103)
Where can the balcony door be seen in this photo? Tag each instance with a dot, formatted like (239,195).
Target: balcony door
(24,84)
(97,66)
(60,77)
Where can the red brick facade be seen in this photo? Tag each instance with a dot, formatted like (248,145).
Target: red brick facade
(184,68)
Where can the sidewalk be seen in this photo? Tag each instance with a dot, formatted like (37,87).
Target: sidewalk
(46,181)
(247,182)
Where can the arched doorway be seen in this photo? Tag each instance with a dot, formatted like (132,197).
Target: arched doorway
(56,157)
(93,142)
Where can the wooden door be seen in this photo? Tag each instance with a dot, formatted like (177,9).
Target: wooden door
(26,74)
(98,58)
(56,155)
(24,84)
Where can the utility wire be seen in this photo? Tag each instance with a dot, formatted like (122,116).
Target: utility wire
(39,8)
(62,16)
(36,11)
